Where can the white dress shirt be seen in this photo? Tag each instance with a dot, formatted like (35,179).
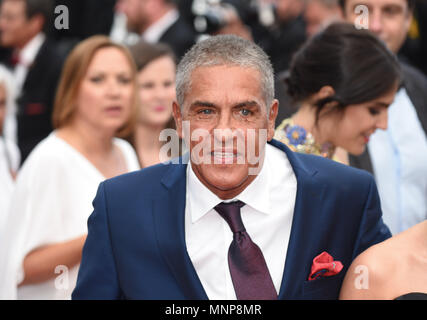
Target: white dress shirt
(156,30)
(9,160)
(51,203)
(267,216)
(399,160)
(26,58)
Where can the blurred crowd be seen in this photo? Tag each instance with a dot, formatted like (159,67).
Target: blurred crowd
(87,88)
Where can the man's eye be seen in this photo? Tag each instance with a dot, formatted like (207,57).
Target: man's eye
(245,112)
(205,111)
(357,6)
(392,10)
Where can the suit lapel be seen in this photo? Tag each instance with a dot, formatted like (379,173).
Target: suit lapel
(169,218)
(38,67)
(308,199)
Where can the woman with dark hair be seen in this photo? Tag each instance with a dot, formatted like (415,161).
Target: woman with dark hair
(343,81)
(156,81)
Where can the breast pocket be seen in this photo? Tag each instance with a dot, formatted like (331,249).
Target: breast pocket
(325,288)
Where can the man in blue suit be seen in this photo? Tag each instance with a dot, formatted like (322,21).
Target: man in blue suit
(243,218)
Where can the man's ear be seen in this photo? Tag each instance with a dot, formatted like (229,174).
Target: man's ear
(409,18)
(272,115)
(178,119)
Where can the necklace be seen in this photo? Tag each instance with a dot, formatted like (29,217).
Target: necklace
(300,140)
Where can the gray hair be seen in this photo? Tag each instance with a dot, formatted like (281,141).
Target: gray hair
(225,50)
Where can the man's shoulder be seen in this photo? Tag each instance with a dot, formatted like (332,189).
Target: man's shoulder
(46,69)
(410,70)
(52,54)
(182,24)
(415,83)
(335,173)
(413,78)
(181,27)
(144,180)
(325,170)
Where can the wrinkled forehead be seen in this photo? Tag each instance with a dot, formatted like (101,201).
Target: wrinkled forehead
(223,74)
(13,6)
(225,80)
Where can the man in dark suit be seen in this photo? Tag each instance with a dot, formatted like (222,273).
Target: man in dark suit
(397,156)
(295,222)
(36,64)
(86,18)
(287,34)
(159,21)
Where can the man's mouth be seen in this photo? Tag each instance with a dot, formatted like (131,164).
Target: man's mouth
(221,157)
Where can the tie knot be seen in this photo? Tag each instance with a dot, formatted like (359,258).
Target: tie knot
(231,213)
(14,58)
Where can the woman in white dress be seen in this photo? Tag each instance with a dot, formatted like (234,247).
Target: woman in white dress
(9,152)
(46,228)
(9,130)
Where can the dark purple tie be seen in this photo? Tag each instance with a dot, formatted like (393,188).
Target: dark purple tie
(249,272)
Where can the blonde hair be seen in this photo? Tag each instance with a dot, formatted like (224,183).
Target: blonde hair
(75,69)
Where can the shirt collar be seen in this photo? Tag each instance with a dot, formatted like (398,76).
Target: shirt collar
(156,30)
(201,200)
(28,54)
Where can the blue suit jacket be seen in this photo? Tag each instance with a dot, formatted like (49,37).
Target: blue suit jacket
(136,249)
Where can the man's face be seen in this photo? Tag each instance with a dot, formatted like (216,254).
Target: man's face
(288,9)
(389,19)
(318,16)
(225,108)
(14,25)
(136,14)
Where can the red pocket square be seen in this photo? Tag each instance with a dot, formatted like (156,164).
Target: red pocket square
(324,266)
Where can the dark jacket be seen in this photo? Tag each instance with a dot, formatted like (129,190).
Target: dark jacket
(136,248)
(35,102)
(180,37)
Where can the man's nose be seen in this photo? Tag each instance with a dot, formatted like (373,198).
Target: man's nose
(223,131)
(224,121)
(375,22)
